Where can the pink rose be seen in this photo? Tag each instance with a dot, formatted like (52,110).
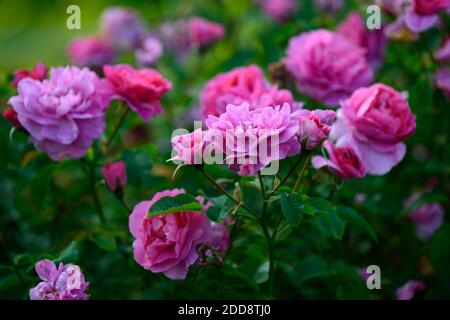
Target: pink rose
(140,89)
(314,126)
(342,161)
(39,72)
(423,14)
(429,7)
(168,243)
(252,139)
(244,84)
(63,283)
(203,32)
(115,174)
(190,148)
(443,80)
(375,121)
(65,113)
(279,10)
(409,289)
(91,52)
(374,41)
(327,66)
(427,219)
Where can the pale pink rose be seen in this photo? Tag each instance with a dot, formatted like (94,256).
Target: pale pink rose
(39,72)
(168,243)
(141,89)
(374,41)
(150,52)
(443,53)
(203,32)
(279,10)
(314,126)
(243,84)
(375,121)
(443,80)
(409,289)
(63,283)
(191,147)
(342,162)
(115,174)
(427,219)
(91,51)
(251,139)
(327,66)
(65,113)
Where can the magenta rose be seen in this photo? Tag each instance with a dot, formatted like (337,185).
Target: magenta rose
(64,114)
(115,174)
(39,72)
(374,41)
(314,126)
(423,14)
(409,289)
(327,66)
(63,283)
(244,84)
(252,139)
(203,32)
(375,121)
(427,219)
(141,89)
(168,243)
(342,162)
(190,148)
(91,52)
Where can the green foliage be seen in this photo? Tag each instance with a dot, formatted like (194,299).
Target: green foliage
(180,202)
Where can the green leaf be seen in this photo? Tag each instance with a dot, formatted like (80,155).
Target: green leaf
(439,251)
(311,267)
(69,254)
(293,207)
(220,209)
(104,240)
(352,217)
(326,219)
(181,202)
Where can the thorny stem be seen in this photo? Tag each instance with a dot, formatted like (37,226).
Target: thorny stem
(302,172)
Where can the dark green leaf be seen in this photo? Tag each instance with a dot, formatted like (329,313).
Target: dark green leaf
(352,217)
(181,202)
(293,208)
(104,240)
(69,254)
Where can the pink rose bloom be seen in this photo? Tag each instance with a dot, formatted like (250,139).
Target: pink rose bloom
(374,41)
(393,7)
(409,289)
(167,243)
(203,32)
(123,27)
(375,121)
(39,72)
(65,113)
(141,89)
(115,174)
(220,238)
(427,219)
(251,139)
(190,147)
(327,66)
(63,283)
(423,14)
(314,126)
(443,53)
(244,84)
(90,52)
(151,51)
(329,6)
(342,162)
(443,80)
(279,10)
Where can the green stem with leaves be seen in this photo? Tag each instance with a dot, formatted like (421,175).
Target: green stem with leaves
(122,116)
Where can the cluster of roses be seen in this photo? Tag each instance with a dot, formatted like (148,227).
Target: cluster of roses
(123,30)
